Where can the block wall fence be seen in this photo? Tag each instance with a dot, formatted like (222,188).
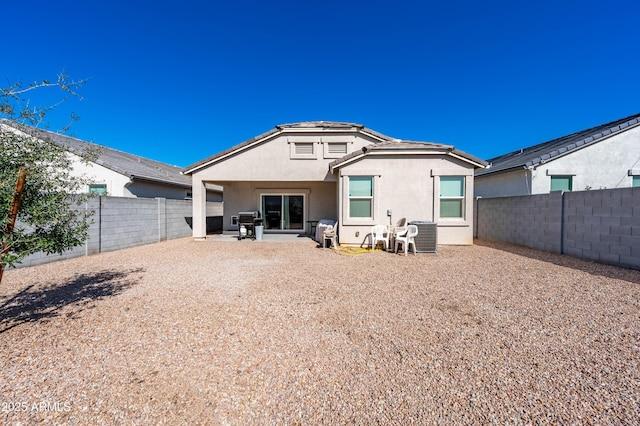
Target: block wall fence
(599,225)
(121,222)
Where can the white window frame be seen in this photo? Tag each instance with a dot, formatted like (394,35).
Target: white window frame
(328,154)
(101,185)
(346,213)
(461,198)
(293,154)
(466,218)
(552,177)
(259,192)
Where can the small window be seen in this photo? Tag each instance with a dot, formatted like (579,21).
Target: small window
(636,181)
(561,183)
(452,196)
(360,196)
(188,195)
(337,148)
(303,150)
(98,189)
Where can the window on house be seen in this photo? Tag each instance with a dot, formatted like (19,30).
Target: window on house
(337,148)
(304,148)
(451,196)
(561,183)
(636,181)
(360,196)
(98,189)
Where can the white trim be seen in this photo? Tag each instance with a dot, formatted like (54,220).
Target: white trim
(403,152)
(466,218)
(556,172)
(327,154)
(451,172)
(634,172)
(344,197)
(293,155)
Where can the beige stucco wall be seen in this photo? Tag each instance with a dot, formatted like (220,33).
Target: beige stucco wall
(269,165)
(409,186)
(271,160)
(319,201)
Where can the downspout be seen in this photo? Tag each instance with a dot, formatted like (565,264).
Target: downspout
(528,178)
(562,223)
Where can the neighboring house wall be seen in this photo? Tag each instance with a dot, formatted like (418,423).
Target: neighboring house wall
(409,186)
(116,182)
(122,222)
(603,165)
(145,189)
(517,182)
(598,225)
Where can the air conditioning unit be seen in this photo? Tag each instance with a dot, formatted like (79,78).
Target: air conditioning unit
(427,238)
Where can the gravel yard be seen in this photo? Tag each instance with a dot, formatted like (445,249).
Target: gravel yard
(242,332)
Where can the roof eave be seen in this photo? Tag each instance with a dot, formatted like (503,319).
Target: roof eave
(350,158)
(159,180)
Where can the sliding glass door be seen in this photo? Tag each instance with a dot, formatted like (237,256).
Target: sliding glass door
(283,212)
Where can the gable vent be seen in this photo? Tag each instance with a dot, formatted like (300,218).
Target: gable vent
(337,148)
(304,148)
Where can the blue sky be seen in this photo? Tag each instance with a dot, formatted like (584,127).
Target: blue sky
(180,81)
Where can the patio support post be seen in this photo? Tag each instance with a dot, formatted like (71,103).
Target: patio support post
(199,209)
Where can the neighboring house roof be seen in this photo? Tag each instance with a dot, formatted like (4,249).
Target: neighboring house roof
(547,151)
(398,147)
(307,126)
(132,166)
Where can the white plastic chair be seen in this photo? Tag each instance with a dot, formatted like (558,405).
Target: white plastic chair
(330,234)
(407,239)
(379,233)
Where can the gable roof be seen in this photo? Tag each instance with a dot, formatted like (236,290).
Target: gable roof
(302,127)
(547,151)
(132,166)
(400,147)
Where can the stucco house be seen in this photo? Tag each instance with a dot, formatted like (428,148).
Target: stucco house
(347,172)
(121,174)
(605,156)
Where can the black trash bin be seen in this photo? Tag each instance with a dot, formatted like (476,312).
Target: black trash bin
(427,238)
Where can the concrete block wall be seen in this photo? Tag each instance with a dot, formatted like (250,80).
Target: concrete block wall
(604,226)
(600,225)
(121,222)
(533,221)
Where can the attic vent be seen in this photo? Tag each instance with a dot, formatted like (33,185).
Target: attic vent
(304,148)
(337,148)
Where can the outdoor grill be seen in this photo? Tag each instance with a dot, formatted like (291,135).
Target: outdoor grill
(247,222)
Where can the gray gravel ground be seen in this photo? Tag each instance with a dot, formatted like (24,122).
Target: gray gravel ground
(185,332)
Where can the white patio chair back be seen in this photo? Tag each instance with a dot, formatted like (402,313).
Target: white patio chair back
(407,239)
(379,233)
